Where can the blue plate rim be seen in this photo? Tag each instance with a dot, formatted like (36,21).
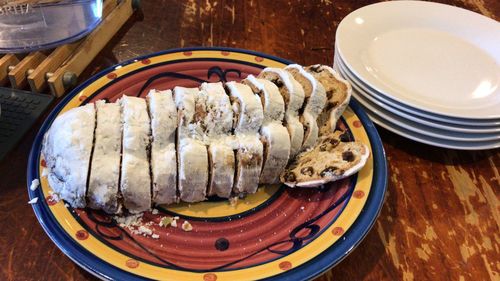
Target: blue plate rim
(313,268)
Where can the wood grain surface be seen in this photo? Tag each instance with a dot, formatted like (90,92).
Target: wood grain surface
(441,217)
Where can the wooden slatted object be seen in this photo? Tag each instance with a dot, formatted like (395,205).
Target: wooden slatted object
(17,75)
(57,70)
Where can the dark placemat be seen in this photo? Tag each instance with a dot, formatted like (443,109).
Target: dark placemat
(19,111)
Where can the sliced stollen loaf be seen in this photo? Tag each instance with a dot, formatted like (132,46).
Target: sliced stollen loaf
(66,149)
(314,102)
(248,117)
(274,136)
(103,190)
(216,119)
(192,156)
(338,94)
(293,95)
(135,184)
(333,158)
(163,115)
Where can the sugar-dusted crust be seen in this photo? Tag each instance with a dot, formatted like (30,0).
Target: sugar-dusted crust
(103,190)
(274,136)
(311,130)
(222,167)
(293,95)
(315,94)
(163,115)
(216,120)
(276,145)
(338,93)
(248,115)
(247,108)
(315,100)
(333,158)
(66,149)
(273,104)
(192,155)
(193,170)
(249,152)
(135,184)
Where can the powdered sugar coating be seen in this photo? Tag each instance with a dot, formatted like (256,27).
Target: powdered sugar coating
(163,115)
(135,179)
(66,149)
(105,167)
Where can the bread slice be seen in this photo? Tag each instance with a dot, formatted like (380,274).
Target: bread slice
(274,136)
(163,115)
(273,104)
(333,158)
(248,116)
(66,149)
(276,151)
(222,167)
(314,102)
(311,130)
(338,93)
(193,170)
(314,92)
(248,163)
(247,108)
(103,190)
(293,95)
(135,184)
(217,121)
(192,156)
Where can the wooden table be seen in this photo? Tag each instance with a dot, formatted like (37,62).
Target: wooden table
(441,217)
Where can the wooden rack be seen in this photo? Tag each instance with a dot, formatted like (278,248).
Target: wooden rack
(57,70)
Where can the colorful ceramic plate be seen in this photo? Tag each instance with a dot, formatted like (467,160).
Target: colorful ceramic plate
(276,233)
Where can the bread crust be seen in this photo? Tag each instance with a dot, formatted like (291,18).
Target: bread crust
(67,148)
(338,93)
(163,115)
(135,182)
(103,191)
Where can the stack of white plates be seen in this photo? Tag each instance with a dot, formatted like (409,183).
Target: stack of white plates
(426,71)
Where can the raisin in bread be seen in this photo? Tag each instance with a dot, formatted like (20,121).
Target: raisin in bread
(333,158)
(66,149)
(338,93)
(103,190)
(163,115)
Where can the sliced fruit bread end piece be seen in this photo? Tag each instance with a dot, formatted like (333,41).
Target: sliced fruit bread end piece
(67,151)
(333,158)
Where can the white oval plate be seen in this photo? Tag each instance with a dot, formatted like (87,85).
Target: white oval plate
(485,125)
(430,140)
(435,57)
(421,129)
(393,111)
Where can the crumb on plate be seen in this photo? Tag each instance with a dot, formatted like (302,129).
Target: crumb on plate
(34,184)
